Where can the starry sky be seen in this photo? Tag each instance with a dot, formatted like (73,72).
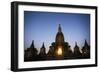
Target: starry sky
(43,27)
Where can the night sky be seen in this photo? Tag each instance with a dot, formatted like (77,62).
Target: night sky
(43,27)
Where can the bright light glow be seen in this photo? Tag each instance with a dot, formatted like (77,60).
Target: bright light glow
(59,52)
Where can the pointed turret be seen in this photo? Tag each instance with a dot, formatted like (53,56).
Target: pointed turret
(86,50)
(42,51)
(32,49)
(86,44)
(43,45)
(32,44)
(76,46)
(31,53)
(77,52)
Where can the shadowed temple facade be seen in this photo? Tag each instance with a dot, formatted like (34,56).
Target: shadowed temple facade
(59,50)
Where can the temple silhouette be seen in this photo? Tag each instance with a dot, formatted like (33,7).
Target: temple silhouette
(58,50)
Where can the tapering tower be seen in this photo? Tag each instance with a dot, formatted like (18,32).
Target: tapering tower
(59,49)
(42,50)
(77,53)
(86,50)
(42,54)
(59,36)
(31,53)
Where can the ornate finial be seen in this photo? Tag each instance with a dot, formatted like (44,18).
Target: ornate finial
(59,29)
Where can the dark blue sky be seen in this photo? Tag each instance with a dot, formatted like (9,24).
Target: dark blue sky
(43,26)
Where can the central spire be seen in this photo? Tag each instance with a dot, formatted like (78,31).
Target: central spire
(59,36)
(59,28)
